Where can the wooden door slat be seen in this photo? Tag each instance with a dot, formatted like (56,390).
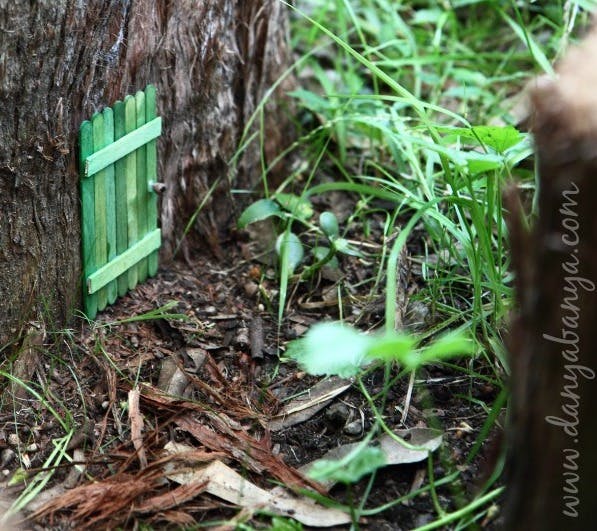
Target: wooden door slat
(121,207)
(127,144)
(130,116)
(152,176)
(101,237)
(111,288)
(142,191)
(124,261)
(87,217)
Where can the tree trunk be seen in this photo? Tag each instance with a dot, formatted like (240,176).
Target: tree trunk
(553,427)
(62,60)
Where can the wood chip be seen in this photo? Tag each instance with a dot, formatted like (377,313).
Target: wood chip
(136,419)
(256,337)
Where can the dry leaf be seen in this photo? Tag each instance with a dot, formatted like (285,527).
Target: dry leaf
(172,380)
(427,439)
(136,419)
(223,482)
(304,407)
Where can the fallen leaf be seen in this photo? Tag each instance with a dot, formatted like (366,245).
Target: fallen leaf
(419,442)
(247,451)
(304,407)
(172,380)
(427,439)
(223,482)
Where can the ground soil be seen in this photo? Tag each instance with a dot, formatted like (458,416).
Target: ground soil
(229,345)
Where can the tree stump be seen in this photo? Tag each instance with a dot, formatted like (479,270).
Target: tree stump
(61,61)
(553,344)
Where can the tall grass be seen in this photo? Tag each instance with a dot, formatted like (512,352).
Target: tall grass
(414,104)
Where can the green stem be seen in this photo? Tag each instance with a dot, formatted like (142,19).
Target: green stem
(473,506)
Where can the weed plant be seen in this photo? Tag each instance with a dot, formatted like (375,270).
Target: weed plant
(415,106)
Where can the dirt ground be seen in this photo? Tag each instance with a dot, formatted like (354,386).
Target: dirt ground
(112,384)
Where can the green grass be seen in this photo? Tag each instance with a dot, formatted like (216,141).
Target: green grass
(35,482)
(412,103)
(407,106)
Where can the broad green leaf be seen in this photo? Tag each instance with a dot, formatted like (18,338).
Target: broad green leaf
(350,469)
(321,253)
(329,224)
(482,162)
(19,476)
(289,246)
(342,246)
(257,211)
(331,348)
(465,92)
(427,16)
(519,151)
(472,80)
(497,138)
(312,101)
(299,207)
(447,346)
(392,347)
(283,524)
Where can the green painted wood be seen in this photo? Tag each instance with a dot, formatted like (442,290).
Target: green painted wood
(121,207)
(132,141)
(124,261)
(118,164)
(142,192)
(112,287)
(130,163)
(152,176)
(87,218)
(101,232)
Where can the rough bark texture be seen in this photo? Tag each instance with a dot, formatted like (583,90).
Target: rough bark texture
(62,60)
(553,428)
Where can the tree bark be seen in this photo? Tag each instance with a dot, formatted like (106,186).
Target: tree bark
(553,428)
(62,60)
